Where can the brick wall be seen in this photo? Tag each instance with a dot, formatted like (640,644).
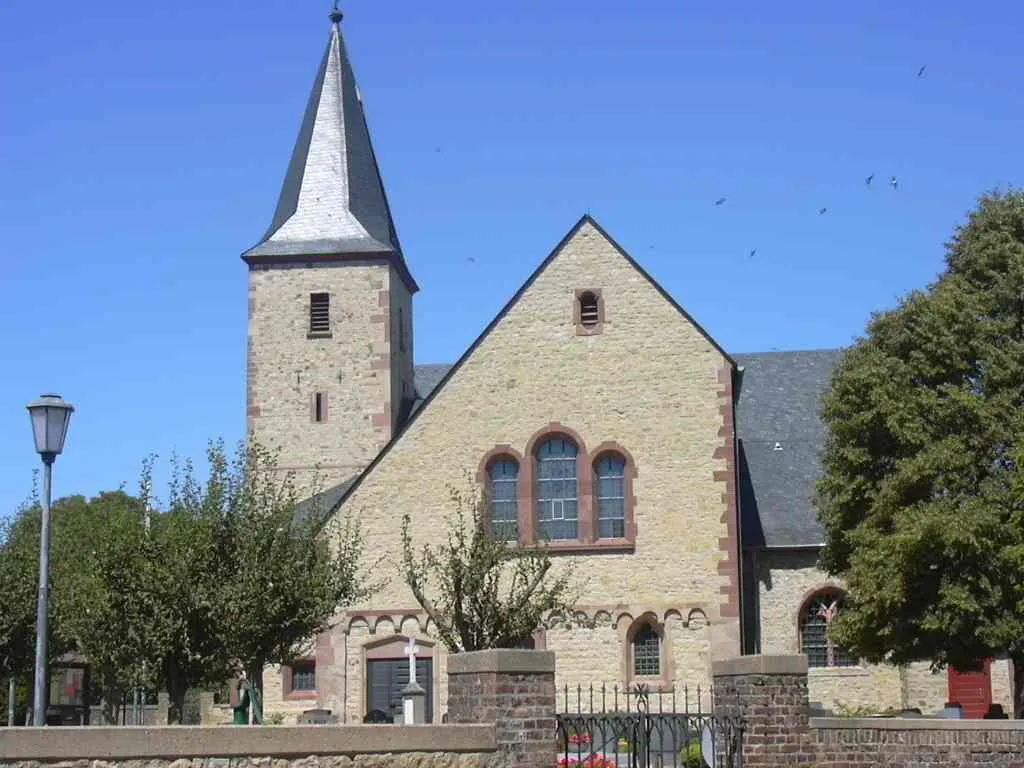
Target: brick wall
(768,696)
(515,690)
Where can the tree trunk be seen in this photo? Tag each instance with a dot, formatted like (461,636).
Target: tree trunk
(111,705)
(176,688)
(255,675)
(1018,686)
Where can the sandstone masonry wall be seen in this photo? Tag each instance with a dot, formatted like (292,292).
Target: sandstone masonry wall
(353,367)
(651,382)
(785,580)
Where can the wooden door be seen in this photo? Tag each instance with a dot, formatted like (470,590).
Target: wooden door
(972,689)
(387,677)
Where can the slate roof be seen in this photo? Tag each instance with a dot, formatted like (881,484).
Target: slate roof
(779,402)
(781,436)
(326,500)
(332,201)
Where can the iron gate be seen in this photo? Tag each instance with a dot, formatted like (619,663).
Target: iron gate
(612,727)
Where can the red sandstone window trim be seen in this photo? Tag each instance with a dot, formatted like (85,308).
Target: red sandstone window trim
(577,313)
(629,476)
(832,650)
(498,453)
(586,540)
(288,692)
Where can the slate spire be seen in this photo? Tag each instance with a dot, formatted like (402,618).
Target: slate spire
(332,202)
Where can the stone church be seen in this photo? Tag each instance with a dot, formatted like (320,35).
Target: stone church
(597,414)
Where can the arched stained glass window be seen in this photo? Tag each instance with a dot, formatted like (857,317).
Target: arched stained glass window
(503,475)
(610,474)
(815,617)
(557,489)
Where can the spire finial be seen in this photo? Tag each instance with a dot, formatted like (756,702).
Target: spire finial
(336,15)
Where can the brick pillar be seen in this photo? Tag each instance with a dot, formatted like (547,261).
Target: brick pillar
(767,696)
(513,689)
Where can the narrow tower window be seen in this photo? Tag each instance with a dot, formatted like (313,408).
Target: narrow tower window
(589,312)
(320,313)
(320,407)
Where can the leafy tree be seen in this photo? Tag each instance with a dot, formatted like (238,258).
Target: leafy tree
(19,570)
(488,593)
(185,579)
(102,598)
(922,496)
(19,582)
(284,569)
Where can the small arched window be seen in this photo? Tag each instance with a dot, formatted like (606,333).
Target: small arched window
(590,309)
(646,652)
(816,616)
(503,478)
(610,474)
(557,489)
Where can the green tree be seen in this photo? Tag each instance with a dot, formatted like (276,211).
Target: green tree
(19,569)
(284,567)
(488,593)
(101,591)
(19,582)
(922,497)
(186,579)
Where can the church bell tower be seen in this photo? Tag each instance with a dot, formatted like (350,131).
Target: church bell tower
(330,360)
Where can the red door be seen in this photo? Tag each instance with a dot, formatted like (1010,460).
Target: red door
(972,689)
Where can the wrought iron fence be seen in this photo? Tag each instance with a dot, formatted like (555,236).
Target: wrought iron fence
(635,727)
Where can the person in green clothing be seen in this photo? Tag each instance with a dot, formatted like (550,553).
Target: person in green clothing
(241,709)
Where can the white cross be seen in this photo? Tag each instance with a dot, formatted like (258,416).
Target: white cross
(411,650)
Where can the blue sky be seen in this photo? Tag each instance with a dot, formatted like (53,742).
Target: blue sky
(143,145)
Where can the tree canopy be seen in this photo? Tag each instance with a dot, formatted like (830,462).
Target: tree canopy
(234,572)
(922,495)
(487,592)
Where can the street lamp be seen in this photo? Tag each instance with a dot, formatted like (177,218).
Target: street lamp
(50,418)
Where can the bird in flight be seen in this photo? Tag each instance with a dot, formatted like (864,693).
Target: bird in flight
(893,182)
(920,72)
(471,259)
(752,252)
(869,179)
(719,201)
(822,211)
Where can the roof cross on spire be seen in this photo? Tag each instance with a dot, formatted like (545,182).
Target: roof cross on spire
(336,15)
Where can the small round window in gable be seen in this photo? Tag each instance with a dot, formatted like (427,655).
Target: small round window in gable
(589,310)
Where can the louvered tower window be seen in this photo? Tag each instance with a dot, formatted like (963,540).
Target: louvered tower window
(589,310)
(320,313)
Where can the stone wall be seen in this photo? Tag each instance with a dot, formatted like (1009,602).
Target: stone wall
(785,579)
(868,742)
(647,378)
(767,696)
(502,716)
(471,746)
(352,366)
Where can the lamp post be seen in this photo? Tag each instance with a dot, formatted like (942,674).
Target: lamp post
(50,418)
